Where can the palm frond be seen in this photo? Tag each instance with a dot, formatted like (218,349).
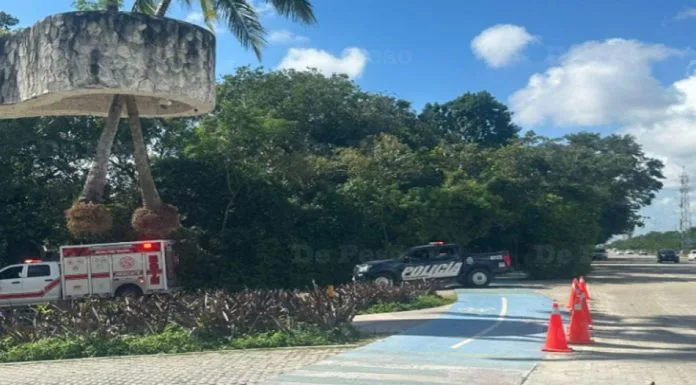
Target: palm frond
(297,10)
(208,11)
(243,21)
(145,6)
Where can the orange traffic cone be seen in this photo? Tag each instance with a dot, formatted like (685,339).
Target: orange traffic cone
(578,329)
(586,310)
(571,298)
(555,336)
(583,287)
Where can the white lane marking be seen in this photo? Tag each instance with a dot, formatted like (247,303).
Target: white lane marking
(498,321)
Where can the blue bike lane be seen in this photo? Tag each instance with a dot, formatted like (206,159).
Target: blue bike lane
(489,336)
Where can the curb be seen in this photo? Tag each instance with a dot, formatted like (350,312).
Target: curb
(221,351)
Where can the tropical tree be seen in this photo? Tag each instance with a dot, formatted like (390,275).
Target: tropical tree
(472,118)
(7,21)
(88,216)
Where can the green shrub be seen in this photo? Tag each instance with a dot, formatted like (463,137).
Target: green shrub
(169,341)
(420,302)
(184,322)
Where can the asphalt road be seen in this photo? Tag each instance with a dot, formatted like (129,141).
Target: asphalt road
(645,326)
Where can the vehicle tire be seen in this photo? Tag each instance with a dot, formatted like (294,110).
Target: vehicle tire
(129,291)
(384,279)
(479,278)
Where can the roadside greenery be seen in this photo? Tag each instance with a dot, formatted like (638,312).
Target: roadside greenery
(420,302)
(186,322)
(298,177)
(655,240)
(169,341)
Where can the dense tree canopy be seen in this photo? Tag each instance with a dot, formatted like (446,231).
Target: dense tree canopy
(7,21)
(655,240)
(297,176)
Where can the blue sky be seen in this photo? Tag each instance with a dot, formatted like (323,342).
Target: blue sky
(561,66)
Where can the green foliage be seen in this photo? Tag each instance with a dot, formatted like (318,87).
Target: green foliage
(210,315)
(96,5)
(472,118)
(189,322)
(169,341)
(420,302)
(7,21)
(655,240)
(297,177)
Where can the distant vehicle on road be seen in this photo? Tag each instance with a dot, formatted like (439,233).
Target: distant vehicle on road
(620,252)
(437,260)
(692,255)
(600,254)
(664,255)
(643,252)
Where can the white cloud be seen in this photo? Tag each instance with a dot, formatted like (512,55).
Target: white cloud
(197,18)
(262,8)
(687,13)
(665,201)
(611,83)
(283,36)
(501,45)
(194,17)
(352,61)
(596,83)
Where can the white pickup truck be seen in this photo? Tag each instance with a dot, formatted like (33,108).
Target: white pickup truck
(107,270)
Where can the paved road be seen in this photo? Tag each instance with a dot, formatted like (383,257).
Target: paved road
(645,327)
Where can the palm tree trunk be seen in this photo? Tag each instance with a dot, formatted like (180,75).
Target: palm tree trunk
(162,7)
(151,198)
(93,190)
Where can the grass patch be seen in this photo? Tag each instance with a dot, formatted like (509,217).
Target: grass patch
(420,302)
(171,341)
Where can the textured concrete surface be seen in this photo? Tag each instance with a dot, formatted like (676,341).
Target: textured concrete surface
(221,368)
(488,337)
(644,327)
(72,64)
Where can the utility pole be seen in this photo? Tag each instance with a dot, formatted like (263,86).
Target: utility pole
(684,210)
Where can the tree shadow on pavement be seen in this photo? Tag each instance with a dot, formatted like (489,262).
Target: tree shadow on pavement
(643,274)
(457,328)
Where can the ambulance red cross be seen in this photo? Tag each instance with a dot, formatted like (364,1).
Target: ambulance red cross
(100,270)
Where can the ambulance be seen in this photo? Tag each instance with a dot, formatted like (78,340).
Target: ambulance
(98,270)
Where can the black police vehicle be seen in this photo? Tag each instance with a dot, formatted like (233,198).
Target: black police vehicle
(664,255)
(437,260)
